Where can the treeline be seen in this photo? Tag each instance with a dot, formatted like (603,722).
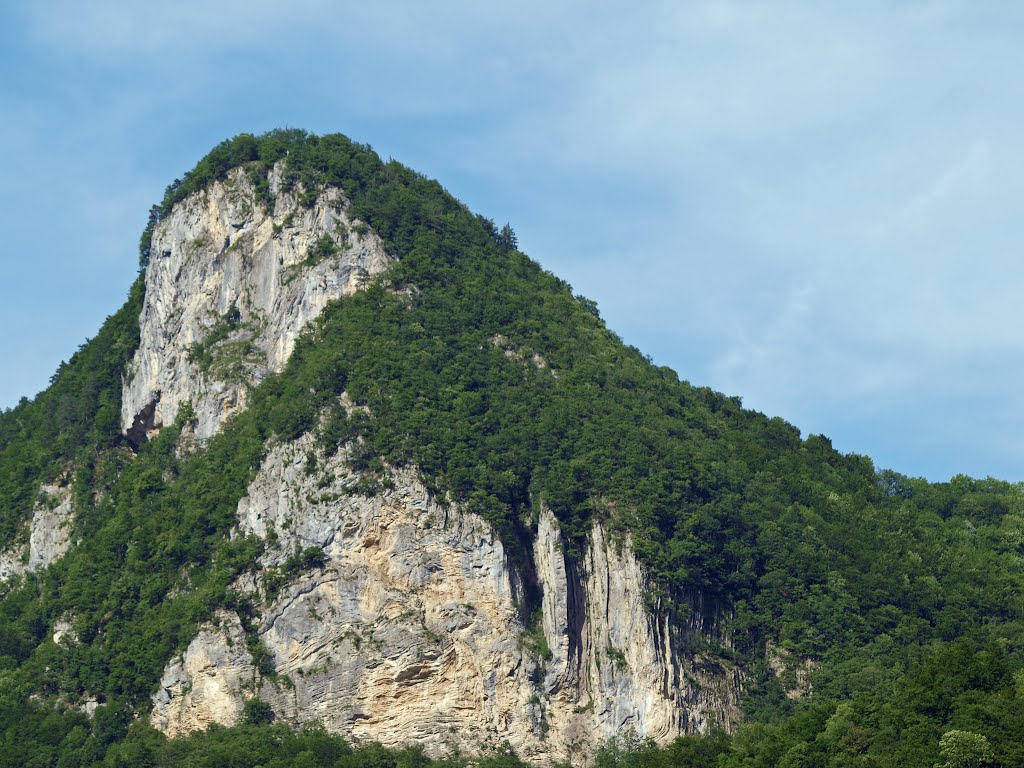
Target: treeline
(33,736)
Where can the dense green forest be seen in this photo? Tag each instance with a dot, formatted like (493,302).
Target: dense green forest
(902,599)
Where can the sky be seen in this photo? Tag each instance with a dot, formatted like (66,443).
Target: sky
(812,205)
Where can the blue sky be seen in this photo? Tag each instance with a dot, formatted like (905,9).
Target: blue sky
(815,206)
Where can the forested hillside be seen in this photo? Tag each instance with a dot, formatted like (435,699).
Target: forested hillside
(879,618)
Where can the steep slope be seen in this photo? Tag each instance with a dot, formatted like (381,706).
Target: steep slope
(44,442)
(375,469)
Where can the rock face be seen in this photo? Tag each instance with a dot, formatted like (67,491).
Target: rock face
(410,631)
(209,684)
(48,534)
(229,286)
(616,664)
(413,630)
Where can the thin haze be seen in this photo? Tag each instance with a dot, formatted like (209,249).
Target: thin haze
(810,205)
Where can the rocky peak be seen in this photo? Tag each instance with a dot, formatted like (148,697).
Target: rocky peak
(230,284)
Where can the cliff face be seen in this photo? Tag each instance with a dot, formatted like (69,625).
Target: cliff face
(616,657)
(48,534)
(413,630)
(408,623)
(229,286)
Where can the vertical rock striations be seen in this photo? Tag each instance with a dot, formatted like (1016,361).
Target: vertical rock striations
(412,630)
(617,664)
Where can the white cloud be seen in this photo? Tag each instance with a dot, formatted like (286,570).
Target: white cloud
(966,174)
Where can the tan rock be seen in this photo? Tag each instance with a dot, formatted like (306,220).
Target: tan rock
(413,630)
(209,683)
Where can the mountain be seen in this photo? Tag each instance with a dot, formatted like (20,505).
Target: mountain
(348,461)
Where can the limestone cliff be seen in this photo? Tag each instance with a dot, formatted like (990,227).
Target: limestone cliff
(413,630)
(48,534)
(229,286)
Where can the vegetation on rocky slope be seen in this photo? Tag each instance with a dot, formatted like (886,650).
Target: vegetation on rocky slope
(902,600)
(71,422)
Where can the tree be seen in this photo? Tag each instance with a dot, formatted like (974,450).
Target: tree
(257,712)
(964,749)
(507,238)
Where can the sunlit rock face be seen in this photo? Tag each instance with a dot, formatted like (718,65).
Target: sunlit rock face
(414,630)
(229,286)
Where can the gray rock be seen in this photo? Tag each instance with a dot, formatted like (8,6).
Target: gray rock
(413,631)
(48,534)
(226,263)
